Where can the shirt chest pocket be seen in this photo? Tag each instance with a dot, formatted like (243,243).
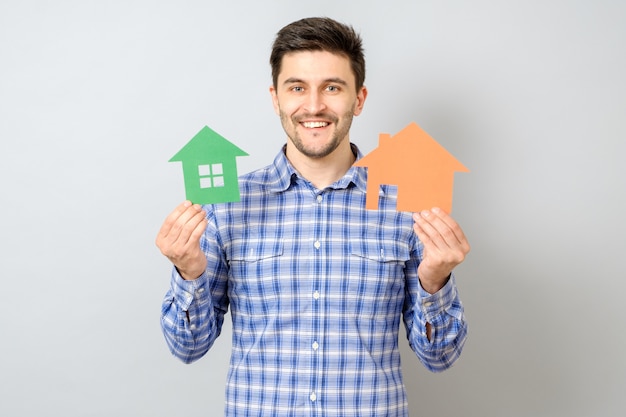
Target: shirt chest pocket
(255,275)
(380,251)
(376,272)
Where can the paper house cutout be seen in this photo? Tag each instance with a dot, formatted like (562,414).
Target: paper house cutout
(422,169)
(210,168)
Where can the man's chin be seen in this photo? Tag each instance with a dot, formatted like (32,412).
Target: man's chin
(316,152)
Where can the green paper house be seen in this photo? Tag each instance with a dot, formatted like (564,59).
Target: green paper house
(210,168)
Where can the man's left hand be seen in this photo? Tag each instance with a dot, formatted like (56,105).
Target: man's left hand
(445,246)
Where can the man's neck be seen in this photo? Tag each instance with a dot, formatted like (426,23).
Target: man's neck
(322,172)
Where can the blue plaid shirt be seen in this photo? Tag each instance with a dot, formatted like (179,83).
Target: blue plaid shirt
(316,286)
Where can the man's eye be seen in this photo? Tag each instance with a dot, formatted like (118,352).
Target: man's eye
(297,89)
(332,88)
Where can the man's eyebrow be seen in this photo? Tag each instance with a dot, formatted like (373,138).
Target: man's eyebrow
(293,80)
(335,80)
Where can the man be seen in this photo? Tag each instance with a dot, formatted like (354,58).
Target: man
(316,284)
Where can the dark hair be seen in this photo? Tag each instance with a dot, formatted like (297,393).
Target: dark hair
(319,34)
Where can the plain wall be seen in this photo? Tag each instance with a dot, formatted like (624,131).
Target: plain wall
(96,96)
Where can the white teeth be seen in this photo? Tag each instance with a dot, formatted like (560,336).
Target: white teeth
(314,124)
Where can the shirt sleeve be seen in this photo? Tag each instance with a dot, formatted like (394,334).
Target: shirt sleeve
(444,311)
(193,312)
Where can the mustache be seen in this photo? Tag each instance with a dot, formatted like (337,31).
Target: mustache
(309,116)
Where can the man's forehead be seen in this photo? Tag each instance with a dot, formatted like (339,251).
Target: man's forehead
(315,66)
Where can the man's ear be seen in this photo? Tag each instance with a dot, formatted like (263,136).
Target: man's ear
(275,100)
(360,100)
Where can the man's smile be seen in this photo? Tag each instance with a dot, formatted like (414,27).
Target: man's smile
(312,125)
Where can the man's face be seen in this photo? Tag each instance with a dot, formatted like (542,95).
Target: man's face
(316,98)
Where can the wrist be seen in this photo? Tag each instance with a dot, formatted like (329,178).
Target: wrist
(190,274)
(431,286)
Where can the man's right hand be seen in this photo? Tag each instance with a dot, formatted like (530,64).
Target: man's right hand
(179,239)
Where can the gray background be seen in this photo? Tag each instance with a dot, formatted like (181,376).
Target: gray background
(96,96)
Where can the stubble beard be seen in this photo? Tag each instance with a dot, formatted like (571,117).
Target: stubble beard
(342,127)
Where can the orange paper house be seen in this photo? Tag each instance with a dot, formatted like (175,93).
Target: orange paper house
(422,169)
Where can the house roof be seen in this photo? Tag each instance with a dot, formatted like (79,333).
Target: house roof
(207,146)
(410,149)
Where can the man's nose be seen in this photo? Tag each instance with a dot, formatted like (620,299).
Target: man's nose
(314,102)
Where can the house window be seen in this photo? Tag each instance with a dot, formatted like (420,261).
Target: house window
(211,175)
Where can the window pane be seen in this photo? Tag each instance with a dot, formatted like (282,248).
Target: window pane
(205,182)
(217,169)
(218,181)
(204,170)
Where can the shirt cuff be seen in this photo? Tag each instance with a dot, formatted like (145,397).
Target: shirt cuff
(433,305)
(184,291)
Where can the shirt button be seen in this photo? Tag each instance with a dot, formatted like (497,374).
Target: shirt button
(315,345)
(317,244)
(319,198)
(316,295)
(313,397)
(428,303)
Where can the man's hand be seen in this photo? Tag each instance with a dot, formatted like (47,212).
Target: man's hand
(179,239)
(445,246)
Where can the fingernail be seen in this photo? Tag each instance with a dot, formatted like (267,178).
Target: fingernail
(425,213)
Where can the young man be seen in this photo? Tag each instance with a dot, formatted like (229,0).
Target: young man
(316,284)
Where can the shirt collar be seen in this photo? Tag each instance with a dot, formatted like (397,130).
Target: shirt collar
(285,174)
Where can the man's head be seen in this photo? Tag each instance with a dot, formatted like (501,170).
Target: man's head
(319,34)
